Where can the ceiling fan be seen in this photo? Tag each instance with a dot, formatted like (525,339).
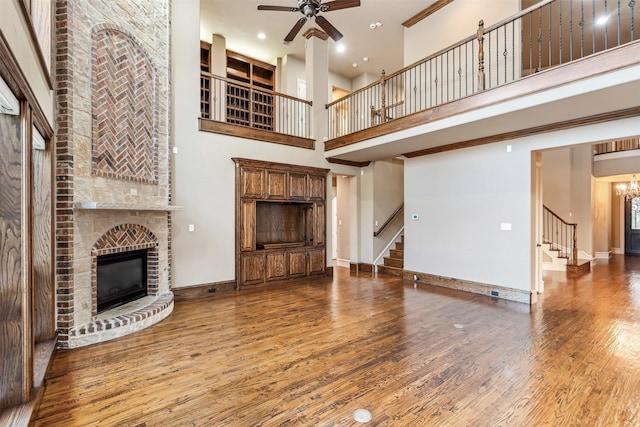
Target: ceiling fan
(310,9)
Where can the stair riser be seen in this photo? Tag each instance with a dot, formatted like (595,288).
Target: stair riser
(394,253)
(393,262)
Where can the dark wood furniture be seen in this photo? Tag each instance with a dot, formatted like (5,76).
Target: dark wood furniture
(251,102)
(280,222)
(205,83)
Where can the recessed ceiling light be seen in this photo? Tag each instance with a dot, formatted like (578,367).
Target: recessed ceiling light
(602,20)
(365,59)
(355,65)
(262,36)
(340,48)
(372,25)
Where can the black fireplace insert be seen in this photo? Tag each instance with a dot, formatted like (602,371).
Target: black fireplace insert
(121,278)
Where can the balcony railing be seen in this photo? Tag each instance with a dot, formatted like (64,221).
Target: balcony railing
(548,34)
(617,145)
(228,101)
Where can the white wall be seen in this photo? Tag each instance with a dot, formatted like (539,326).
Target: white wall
(455,22)
(463,196)
(556,181)
(203,172)
(388,195)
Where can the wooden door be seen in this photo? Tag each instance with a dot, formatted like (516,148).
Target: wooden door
(297,263)
(248,225)
(252,183)
(252,269)
(316,187)
(632,226)
(275,266)
(318,235)
(316,261)
(297,186)
(276,185)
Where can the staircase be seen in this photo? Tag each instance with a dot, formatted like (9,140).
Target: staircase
(394,263)
(560,245)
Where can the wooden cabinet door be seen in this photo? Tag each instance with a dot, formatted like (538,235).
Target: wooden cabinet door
(297,263)
(247,225)
(297,186)
(316,187)
(316,261)
(275,266)
(252,183)
(276,185)
(252,269)
(319,218)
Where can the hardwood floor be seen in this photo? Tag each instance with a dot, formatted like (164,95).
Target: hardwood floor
(312,353)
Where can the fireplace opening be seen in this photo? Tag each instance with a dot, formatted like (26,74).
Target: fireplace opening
(121,278)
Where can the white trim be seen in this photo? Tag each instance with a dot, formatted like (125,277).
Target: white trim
(603,255)
(343,262)
(386,248)
(617,251)
(8,102)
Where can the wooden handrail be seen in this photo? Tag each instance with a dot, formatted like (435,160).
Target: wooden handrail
(388,221)
(565,234)
(258,88)
(558,216)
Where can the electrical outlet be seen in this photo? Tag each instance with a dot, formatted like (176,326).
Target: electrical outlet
(416,277)
(192,227)
(495,293)
(211,290)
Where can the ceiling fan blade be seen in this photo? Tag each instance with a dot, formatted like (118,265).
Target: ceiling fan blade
(339,4)
(294,31)
(328,28)
(278,8)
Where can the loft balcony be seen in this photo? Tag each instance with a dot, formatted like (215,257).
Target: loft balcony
(550,67)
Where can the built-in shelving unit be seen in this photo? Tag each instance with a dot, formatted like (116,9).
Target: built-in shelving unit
(250,103)
(205,83)
(280,222)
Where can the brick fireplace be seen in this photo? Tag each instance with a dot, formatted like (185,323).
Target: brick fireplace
(112,160)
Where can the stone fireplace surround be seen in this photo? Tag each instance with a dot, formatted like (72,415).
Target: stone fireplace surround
(113,183)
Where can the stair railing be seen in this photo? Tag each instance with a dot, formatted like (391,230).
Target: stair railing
(560,235)
(388,221)
(386,249)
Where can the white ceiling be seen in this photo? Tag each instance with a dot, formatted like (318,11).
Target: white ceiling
(239,22)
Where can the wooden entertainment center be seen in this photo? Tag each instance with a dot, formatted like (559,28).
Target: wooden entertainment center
(280,222)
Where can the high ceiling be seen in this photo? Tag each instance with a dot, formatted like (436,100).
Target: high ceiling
(239,22)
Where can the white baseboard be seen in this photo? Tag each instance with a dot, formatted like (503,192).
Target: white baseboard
(617,251)
(343,262)
(603,255)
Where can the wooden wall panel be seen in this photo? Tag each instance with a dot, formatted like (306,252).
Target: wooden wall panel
(11,272)
(41,245)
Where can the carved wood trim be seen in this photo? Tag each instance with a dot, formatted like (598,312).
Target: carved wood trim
(311,32)
(426,13)
(214,126)
(348,162)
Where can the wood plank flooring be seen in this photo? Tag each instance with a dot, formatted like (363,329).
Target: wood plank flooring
(310,354)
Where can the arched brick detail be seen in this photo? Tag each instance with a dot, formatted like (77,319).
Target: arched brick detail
(124,143)
(125,238)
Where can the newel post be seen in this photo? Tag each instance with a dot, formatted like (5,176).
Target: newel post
(481,56)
